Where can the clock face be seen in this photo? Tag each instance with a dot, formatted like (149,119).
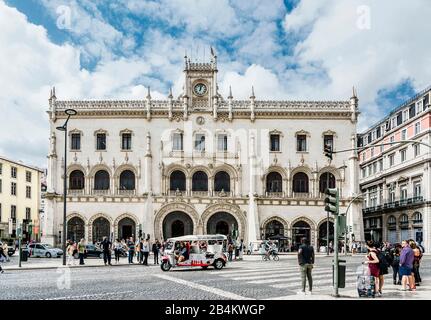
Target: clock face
(200,89)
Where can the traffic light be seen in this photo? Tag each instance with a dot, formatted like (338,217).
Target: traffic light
(332,200)
(328,151)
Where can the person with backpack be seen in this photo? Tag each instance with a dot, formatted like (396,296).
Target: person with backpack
(395,263)
(383,269)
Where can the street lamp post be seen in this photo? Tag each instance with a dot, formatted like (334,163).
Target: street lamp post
(69,113)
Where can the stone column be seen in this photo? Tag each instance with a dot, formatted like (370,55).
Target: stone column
(148,166)
(252,214)
(354,216)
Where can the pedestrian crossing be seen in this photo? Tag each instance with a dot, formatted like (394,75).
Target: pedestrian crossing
(285,277)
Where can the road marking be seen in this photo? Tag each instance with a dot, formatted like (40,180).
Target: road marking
(287,278)
(237,270)
(349,280)
(216,291)
(88,295)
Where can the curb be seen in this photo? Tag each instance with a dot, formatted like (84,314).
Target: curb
(72,267)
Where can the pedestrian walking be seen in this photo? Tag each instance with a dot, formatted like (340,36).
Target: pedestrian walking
(241,249)
(382,255)
(131,249)
(3,258)
(306,262)
(416,263)
(395,263)
(117,250)
(81,251)
(373,263)
(406,265)
(236,250)
(155,248)
(106,246)
(416,258)
(230,251)
(139,250)
(71,250)
(146,251)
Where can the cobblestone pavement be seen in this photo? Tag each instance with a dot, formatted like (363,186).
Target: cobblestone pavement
(251,278)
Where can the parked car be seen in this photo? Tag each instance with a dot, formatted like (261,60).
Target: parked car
(10,250)
(44,250)
(91,251)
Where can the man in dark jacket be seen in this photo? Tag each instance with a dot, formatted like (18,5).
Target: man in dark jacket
(306,261)
(106,246)
(156,248)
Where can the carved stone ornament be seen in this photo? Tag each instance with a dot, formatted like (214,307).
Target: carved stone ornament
(188,166)
(200,120)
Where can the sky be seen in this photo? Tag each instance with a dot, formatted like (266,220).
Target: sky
(291,50)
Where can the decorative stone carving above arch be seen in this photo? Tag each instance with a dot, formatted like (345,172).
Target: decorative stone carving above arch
(226,167)
(323,220)
(103,131)
(305,169)
(330,169)
(329,133)
(176,206)
(124,167)
(98,167)
(75,130)
(276,168)
(76,215)
(229,208)
(174,167)
(126,131)
(74,167)
(205,169)
(302,132)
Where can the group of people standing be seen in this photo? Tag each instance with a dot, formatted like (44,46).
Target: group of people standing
(73,249)
(238,248)
(404,260)
(142,250)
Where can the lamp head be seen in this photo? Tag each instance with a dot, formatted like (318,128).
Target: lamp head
(61,128)
(70,112)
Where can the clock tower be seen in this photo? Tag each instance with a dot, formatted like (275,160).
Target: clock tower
(200,84)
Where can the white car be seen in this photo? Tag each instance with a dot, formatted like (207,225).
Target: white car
(44,250)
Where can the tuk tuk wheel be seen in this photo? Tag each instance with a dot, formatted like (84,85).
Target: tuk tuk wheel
(205,267)
(218,264)
(165,266)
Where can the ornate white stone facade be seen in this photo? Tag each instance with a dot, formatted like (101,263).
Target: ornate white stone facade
(252,129)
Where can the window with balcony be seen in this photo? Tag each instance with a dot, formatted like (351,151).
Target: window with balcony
(392,221)
(374,167)
(75,141)
(13,213)
(199,181)
(177,181)
(381,164)
(417,217)
(300,182)
(372,152)
(27,213)
(403,192)
(399,118)
(417,128)
(200,142)
(326,180)
(222,143)
(392,139)
(301,143)
(101,141)
(177,143)
(28,176)
(222,181)
(412,110)
(364,172)
(127,180)
(274,182)
(419,106)
(391,194)
(126,141)
(404,221)
(76,180)
(373,197)
(405,115)
(101,180)
(417,189)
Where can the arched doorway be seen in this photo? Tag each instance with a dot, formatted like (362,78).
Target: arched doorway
(300,229)
(222,223)
(75,229)
(177,224)
(322,233)
(101,228)
(274,230)
(126,228)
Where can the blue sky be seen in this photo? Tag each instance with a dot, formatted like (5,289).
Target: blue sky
(292,49)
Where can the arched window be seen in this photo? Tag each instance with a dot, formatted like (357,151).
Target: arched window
(417,217)
(101,180)
(200,181)
(177,181)
(127,180)
(300,182)
(274,182)
(404,218)
(222,181)
(392,220)
(76,180)
(327,180)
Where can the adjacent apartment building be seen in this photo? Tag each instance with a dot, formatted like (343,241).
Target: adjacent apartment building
(396,179)
(19,198)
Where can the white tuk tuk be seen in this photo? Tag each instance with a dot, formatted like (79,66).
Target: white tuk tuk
(195,251)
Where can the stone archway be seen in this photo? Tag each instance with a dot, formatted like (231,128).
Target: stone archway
(278,219)
(176,206)
(322,230)
(91,230)
(177,224)
(76,227)
(125,220)
(312,227)
(221,222)
(231,209)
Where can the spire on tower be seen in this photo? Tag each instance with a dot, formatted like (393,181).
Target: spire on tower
(148,94)
(53,93)
(354,93)
(252,93)
(230,93)
(170,96)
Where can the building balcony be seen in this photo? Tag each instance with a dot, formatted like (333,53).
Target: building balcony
(101,192)
(394,205)
(274,194)
(75,192)
(200,193)
(301,195)
(126,192)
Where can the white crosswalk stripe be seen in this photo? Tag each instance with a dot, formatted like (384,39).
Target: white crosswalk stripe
(285,277)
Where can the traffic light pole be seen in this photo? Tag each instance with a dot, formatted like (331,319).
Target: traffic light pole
(336,257)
